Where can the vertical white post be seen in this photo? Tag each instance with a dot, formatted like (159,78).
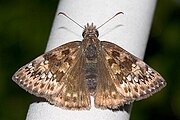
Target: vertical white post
(129,31)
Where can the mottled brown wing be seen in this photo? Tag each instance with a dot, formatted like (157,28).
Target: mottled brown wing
(44,75)
(106,95)
(133,79)
(73,94)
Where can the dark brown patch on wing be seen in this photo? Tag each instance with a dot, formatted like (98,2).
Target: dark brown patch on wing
(115,54)
(65,52)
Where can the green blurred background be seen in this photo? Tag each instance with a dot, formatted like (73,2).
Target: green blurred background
(24,29)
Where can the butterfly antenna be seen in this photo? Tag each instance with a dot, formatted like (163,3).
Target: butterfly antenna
(110,19)
(62,13)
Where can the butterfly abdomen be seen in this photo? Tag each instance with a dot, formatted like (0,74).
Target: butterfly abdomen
(91,76)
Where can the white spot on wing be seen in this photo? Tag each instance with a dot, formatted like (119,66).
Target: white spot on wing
(30,65)
(49,74)
(149,70)
(136,79)
(46,62)
(43,75)
(133,65)
(129,77)
(147,76)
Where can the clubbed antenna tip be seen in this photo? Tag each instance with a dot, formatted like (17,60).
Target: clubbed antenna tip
(62,13)
(110,19)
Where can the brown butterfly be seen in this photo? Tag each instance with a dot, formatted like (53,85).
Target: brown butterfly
(68,75)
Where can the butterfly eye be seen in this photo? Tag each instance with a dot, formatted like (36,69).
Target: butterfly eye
(83,34)
(97,33)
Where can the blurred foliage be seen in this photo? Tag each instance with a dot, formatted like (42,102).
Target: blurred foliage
(24,30)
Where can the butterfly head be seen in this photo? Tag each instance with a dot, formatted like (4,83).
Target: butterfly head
(90,31)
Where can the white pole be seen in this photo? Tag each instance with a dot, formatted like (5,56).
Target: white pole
(129,31)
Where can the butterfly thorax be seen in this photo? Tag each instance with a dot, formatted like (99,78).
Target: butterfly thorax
(91,51)
(90,42)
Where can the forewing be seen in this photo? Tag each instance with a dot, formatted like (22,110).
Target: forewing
(43,76)
(73,94)
(134,79)
(107,95)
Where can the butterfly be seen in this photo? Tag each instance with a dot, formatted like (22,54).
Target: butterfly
(68,75)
